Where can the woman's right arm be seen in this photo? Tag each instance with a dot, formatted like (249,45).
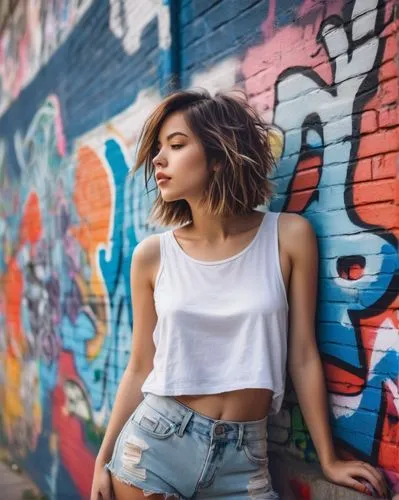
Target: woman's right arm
(145,263)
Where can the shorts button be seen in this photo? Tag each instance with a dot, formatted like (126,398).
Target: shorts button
(219,429)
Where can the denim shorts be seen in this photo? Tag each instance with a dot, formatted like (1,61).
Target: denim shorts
(166,447)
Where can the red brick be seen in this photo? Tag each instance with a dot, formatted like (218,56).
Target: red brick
(382,141)
(388,117)
(298,200)
(381,214)
(388,71)
(384,166)
(388,455)
(363,170)
(306,179)
(392,27)
(372,192)
(369,122)
(391,49)
(388,91)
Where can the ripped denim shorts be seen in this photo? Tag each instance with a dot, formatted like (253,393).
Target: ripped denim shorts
(167,448)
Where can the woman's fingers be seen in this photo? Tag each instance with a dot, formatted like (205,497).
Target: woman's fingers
(379,477)
(362,471)
(358,486)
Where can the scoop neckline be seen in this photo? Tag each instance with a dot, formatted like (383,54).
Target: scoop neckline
(222,261)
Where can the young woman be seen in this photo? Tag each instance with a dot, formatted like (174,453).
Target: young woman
(220,303)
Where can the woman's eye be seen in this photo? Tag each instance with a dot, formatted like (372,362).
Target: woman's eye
(173,146)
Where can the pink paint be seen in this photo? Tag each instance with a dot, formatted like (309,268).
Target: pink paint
(268,25)
(59,128)
(263,63)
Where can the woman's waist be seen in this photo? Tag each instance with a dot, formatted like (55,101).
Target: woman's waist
(240,405)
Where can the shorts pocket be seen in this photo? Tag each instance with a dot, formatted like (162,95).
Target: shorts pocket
(256,451)
(153,422)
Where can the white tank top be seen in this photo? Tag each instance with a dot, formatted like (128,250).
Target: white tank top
(222,325)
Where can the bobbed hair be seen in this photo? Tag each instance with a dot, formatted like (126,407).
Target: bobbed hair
(233,136)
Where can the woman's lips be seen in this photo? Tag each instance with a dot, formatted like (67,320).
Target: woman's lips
(163,180)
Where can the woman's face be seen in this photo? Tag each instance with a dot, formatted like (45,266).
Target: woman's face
(180,165)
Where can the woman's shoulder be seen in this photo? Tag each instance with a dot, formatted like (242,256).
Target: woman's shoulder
(296,233)
(147,252)
(146,258)
(295,224)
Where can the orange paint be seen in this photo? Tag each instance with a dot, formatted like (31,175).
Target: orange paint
(13,287)
(31,223)
(93,199)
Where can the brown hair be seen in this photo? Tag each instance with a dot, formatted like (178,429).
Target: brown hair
(233,135)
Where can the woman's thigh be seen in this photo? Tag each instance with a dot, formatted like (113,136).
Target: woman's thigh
(123,491)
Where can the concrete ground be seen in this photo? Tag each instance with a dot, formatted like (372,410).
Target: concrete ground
(14,485)
(296,479)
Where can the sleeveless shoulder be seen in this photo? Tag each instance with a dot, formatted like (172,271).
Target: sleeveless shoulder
(148,250)
(147,257)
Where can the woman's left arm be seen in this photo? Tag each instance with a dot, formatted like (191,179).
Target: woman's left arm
(304,363)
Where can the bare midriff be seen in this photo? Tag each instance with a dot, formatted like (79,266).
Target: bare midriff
(240,406)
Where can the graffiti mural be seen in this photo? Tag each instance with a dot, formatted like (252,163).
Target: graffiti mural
(35,31)
(325,110)
(66,301)
(71,215)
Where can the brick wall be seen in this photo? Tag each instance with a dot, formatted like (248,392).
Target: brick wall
(77,80)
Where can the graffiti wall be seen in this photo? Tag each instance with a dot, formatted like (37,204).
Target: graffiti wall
(77,80)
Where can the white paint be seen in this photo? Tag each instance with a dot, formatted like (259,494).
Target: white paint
(299,95)
(344,406)
(221,76)
(387,339)
(362,26)
(364,6)
(389,384)
(77,403)
(129,23)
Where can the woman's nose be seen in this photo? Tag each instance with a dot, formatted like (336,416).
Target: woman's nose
(158,160)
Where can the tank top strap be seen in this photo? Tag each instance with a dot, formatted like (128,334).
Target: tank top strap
(163,250)
(267,231)
(274,233)
(275,243)
(167,244)
(271,230)
(271,235)
(163,241)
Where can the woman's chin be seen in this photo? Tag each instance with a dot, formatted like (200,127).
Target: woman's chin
(169,197)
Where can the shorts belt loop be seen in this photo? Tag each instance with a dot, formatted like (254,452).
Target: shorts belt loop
(240,436)
(184,423)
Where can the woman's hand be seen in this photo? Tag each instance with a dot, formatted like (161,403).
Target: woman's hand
(101,488)
(353,474)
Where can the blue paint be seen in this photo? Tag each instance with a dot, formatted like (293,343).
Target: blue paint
(110,267)
(92,85)
(359,430)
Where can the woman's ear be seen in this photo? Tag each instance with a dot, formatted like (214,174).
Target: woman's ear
(215,166)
